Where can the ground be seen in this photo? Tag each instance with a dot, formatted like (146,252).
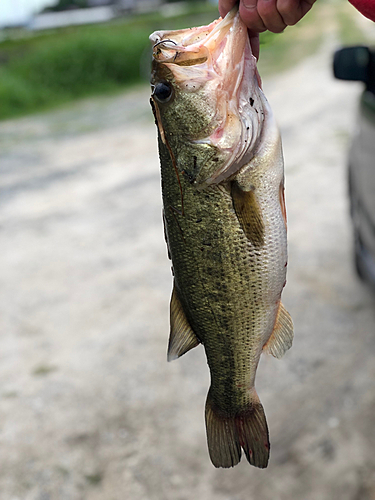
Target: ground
(90,409)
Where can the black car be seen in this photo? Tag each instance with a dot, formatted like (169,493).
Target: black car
(358,63)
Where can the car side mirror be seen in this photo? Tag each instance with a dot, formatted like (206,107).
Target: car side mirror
(352,63)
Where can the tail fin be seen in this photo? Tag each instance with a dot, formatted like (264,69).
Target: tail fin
(227,434)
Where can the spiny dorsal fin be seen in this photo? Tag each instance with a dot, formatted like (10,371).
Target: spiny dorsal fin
(248,212)
(282,336)
(181,338)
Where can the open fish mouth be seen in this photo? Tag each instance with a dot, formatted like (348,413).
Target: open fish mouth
(217,60)
(192,46)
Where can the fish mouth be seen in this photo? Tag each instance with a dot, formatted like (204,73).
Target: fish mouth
(218,59)
(188,47)
(204,45)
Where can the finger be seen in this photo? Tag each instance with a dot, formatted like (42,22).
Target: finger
(270,16)
(293,10)
(250,16)
(254,43)
(225,6)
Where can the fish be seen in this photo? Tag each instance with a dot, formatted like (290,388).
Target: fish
(222,179)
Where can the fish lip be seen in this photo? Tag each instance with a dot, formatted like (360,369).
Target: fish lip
(166,48)
(178,50)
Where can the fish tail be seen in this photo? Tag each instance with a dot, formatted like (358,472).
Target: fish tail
(226,435)
(252,429)
(222,436)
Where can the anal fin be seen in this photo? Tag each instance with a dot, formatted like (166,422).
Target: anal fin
(181,338)
(282,336)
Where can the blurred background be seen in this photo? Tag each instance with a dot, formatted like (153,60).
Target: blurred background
(89,407)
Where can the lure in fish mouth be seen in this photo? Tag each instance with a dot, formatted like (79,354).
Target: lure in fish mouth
(225,222)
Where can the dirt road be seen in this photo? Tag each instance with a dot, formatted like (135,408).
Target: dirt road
(89,407)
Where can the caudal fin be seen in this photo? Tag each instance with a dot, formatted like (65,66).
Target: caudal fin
(226,435)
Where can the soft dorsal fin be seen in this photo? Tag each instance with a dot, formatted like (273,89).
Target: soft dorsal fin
(181,338)
(282,336)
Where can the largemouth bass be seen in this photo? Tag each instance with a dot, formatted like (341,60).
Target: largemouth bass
(225,222)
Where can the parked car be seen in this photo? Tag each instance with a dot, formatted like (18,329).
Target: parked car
(358,63)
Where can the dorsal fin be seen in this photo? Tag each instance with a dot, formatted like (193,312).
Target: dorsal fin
(181,338)
(282,336)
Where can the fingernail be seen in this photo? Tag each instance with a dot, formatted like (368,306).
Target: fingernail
(249,4)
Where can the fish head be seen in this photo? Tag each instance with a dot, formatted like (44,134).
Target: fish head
(206,97)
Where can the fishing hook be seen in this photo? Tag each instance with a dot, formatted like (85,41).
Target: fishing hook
(164,41)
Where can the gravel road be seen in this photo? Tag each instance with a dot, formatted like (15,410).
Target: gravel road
(89,407)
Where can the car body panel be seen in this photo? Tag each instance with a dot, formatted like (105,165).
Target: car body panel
(351,64)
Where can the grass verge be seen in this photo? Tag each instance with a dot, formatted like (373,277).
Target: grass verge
(60,65)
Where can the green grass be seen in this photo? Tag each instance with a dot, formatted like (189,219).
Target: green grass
(60,65)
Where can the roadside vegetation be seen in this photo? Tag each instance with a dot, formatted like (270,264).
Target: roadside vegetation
(50,68)
(53,67)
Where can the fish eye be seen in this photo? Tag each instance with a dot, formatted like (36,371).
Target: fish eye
(163,91)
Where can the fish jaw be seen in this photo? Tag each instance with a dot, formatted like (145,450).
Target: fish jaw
(213,73)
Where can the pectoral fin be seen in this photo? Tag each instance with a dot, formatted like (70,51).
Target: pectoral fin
(182,338)
(248,212)
(282,336)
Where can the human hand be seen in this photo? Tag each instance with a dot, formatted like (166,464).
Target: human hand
(262,15)
(272,15)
